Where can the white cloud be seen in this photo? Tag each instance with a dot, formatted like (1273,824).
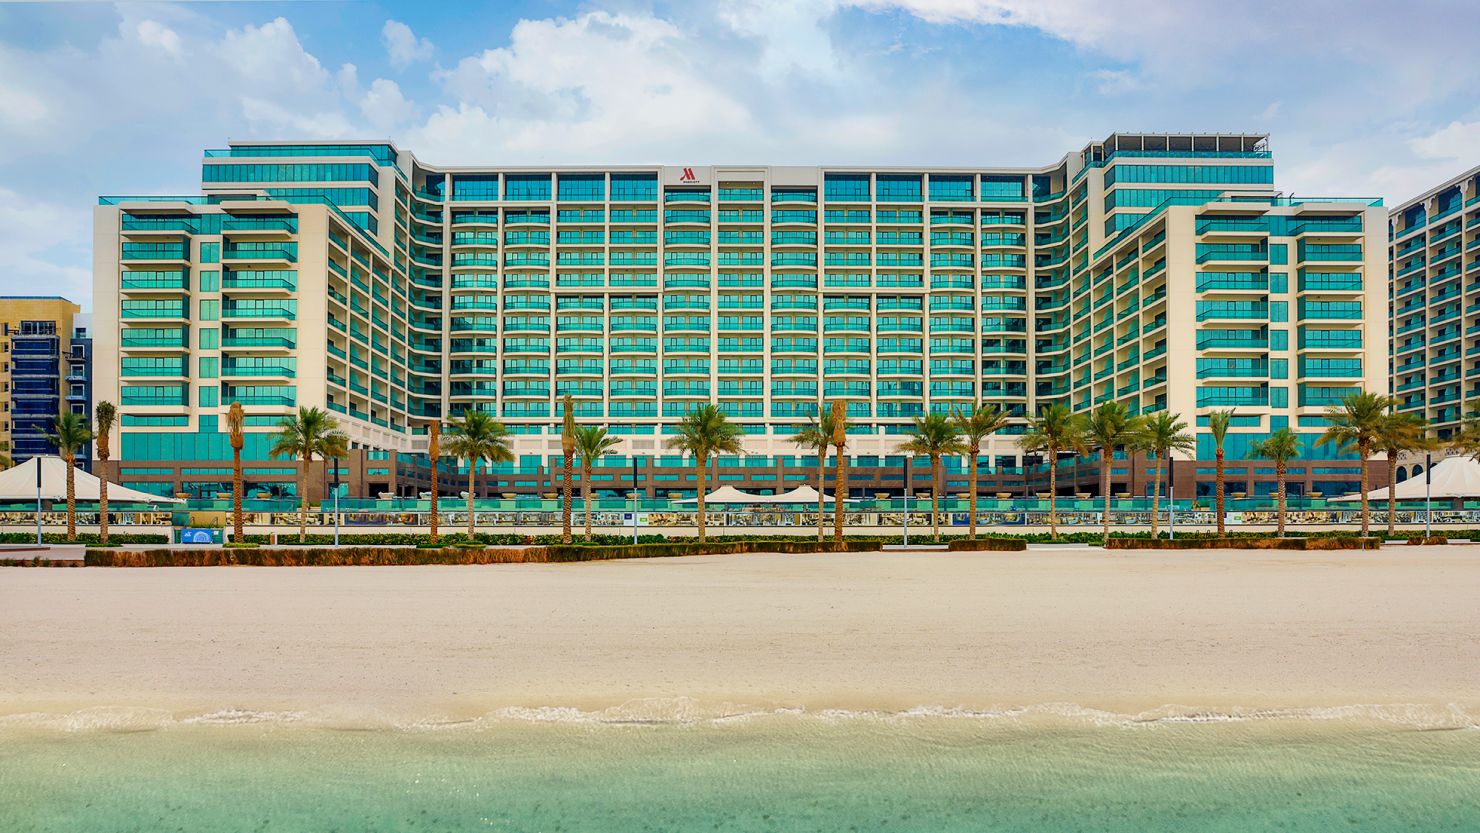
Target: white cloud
(44,246)
(541,96)
(384,106)
(271,56)
(402,45)
(790,34)
(1457,140)
(1115,81)
(158,36)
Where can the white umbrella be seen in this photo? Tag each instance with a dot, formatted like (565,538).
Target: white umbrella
(1452,477)
(19,483)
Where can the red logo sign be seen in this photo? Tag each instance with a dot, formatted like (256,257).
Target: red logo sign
(688,176)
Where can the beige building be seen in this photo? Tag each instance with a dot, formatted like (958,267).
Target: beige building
(36,340)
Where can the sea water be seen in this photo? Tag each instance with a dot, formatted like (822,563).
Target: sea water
(560,770)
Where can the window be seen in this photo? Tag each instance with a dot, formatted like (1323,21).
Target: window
(210,309)
(532,187)
(210,367)
(1191,174)
(634,188)
(846,187)
(325,172)
(582,187)
(210,339)
(899,188)
(210,253)
(208,396)
(951,187)
(210,280)
(1003,188)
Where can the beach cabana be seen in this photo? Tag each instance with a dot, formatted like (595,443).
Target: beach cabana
(1450,478)
(19,484)
(801,494)
(729,494)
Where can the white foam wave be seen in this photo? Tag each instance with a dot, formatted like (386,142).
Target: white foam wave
(691,712)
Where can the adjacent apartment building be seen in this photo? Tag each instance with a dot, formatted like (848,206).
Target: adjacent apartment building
(1435,331)
(1164,271)
(39,373)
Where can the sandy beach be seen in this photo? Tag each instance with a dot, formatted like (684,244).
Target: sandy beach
(1131,633)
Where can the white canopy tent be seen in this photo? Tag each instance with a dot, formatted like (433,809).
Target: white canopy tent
(19,483)
(1452,477)
(729,494)
(801,494)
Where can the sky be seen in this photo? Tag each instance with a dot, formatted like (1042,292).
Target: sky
(1360,98)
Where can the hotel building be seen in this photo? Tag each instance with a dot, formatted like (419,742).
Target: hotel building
(1435,298)
(1164,271)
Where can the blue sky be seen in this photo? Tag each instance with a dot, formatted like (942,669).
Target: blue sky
(1361,98)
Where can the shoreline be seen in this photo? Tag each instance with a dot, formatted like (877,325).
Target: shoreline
(1212,633)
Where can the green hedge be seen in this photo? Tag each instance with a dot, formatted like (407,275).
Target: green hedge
(38,561)
(990,544)
(391,539)
(597,552)
(1337,542)
(84,538)
(294,557)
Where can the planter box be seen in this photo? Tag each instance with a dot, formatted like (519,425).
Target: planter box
(987,545)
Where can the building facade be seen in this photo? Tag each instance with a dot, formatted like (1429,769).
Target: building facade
(1435,297)
(36,337)
(1164,271)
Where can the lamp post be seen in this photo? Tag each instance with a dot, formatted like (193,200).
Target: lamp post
(1171,496)
(37,461)
(906,502)
(336,503)
(634,499)
(1428,500)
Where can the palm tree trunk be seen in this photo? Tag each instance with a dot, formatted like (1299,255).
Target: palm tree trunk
(565,503)
(1279,476)
(1053,489)
(71,498)
(1366,506)
(433,519)
(1392,487)
(303,498)
(472,474)
(971,487)
(1218,490)
(840,494)
(935,496)
(703,464)
(586,495)
(1105,457)
(236,495)
(821,489)
(1156,498)
(103,501)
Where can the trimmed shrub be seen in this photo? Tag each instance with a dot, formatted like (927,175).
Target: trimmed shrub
(391,539)
(1432,539)
(1343,542)
(597,552)
(989,544)
(38,561)
(89,538)
(341,557)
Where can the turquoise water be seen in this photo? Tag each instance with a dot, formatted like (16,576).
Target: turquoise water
(769,773)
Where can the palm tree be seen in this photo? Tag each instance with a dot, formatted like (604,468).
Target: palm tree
(1108,427)
(1356,425)
(1055,429)
(934,436)
(705,432)
(104,415)
(592,443)
(1218,423)
(1281,446)
(840,472)
(434,455)
(1400,432)
(235,423)
(477,436)
(312,432)
(70,433)
(982,422)
(817,435)
(567,453)
(1160,435)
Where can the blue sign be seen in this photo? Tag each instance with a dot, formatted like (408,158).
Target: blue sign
(194,535)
